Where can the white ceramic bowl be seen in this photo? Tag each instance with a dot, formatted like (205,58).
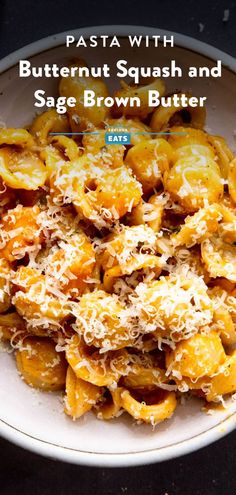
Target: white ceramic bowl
(35,420)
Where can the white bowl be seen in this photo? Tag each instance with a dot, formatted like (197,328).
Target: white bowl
(35,420)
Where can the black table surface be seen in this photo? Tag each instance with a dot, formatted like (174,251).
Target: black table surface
(210,470)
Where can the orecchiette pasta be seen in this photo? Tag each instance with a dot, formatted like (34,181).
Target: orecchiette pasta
(149,213)
(40,365)
(194,181)
(69,264)
(80,395)
(118,262)
(100,319)
(141,92)
(35,299)
(224,302)
(232,180)
(90,188)
(164,117)
(224,381)
(173,307)
(11,324)
(81,116)
(94,145)
(88,364)
(219,258)
(111,407)
(200,355)
(47,122)
(223,152)
(153,413)
(149,160)
(198,227)
(20,232)
(5,278)
(22,170)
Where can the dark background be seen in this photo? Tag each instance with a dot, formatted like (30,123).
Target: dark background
(24,21)
(210,471)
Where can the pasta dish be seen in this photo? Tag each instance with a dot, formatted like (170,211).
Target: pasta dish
(118,263)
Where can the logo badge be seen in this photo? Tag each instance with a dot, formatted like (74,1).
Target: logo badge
(117,136)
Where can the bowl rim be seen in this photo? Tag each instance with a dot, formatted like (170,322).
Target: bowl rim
(118,460)
(203,439)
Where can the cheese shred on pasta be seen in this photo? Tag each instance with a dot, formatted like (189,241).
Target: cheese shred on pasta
(118,266)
